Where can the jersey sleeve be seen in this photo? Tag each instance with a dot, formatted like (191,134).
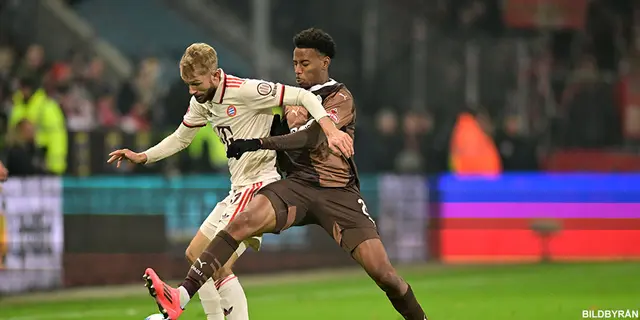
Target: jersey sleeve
(172,144)
(340,108)
(308,138)
(196,115)
(259,94)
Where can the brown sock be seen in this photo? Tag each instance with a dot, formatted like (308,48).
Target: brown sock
(212,258)
(407,305)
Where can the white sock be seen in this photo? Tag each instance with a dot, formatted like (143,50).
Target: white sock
(234,302)
(184,297)
(210,300)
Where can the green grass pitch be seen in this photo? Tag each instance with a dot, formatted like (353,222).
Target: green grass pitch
(550,291)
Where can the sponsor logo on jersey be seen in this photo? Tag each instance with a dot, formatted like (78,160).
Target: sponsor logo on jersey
(264,89)
(231,111)
(333,114)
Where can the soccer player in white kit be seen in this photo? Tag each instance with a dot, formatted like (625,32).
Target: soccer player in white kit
(237,109)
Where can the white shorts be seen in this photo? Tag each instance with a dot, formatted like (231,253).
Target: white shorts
(227,209)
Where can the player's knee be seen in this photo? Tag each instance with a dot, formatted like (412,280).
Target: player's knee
(240,227)
(191,254)
(244,225)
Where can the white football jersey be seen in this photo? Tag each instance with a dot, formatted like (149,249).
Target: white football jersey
(242,109)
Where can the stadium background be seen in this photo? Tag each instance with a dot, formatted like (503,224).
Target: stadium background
(554,87)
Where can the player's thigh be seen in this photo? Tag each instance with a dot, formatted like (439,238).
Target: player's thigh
(344,215)
(236,208)
(289,201)
(256,219)
(207,231)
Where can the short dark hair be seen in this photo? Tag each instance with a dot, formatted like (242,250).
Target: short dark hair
(313,38)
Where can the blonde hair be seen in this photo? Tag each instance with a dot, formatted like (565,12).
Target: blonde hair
(198,59)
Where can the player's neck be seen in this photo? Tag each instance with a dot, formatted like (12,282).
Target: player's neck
(323,79)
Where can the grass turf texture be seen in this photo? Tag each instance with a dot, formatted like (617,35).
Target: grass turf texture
(551,291)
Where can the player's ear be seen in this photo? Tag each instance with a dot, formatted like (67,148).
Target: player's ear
(326,61)
(215,76)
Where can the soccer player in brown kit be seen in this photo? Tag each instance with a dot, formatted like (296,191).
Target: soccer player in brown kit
(320,187)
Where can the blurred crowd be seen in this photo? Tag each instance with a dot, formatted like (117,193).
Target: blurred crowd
(79,88)
(570,92)
(69,95)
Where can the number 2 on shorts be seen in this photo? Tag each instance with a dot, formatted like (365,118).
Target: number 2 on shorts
(365,211)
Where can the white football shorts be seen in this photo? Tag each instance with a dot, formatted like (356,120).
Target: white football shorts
(226,210)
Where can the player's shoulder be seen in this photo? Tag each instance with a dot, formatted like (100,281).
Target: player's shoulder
(341,95)
(344,93)
(233,83)
(259,87)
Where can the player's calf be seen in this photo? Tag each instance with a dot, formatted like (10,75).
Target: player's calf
(211,301)
(233,302)
(222,295)
(258,218)
(373,258)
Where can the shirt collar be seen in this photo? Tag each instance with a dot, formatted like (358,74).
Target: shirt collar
(317,87)
(219,95)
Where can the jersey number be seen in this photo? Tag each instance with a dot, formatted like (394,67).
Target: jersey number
(225,134)
(364,210)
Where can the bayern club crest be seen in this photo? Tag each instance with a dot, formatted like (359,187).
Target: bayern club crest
(231,111)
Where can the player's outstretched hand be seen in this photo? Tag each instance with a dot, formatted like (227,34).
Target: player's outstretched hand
(126,154)
(340,142)
(238,147)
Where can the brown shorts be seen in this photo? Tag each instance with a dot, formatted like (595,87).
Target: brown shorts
(339,211)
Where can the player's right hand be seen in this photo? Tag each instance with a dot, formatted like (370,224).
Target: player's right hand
(238,147)
(340,142)
(126,154)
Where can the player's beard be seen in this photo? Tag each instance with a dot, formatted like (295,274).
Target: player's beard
(207,96)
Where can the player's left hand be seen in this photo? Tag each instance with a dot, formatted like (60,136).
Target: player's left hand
(238,147)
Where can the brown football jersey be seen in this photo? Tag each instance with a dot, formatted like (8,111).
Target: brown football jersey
(315,163)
